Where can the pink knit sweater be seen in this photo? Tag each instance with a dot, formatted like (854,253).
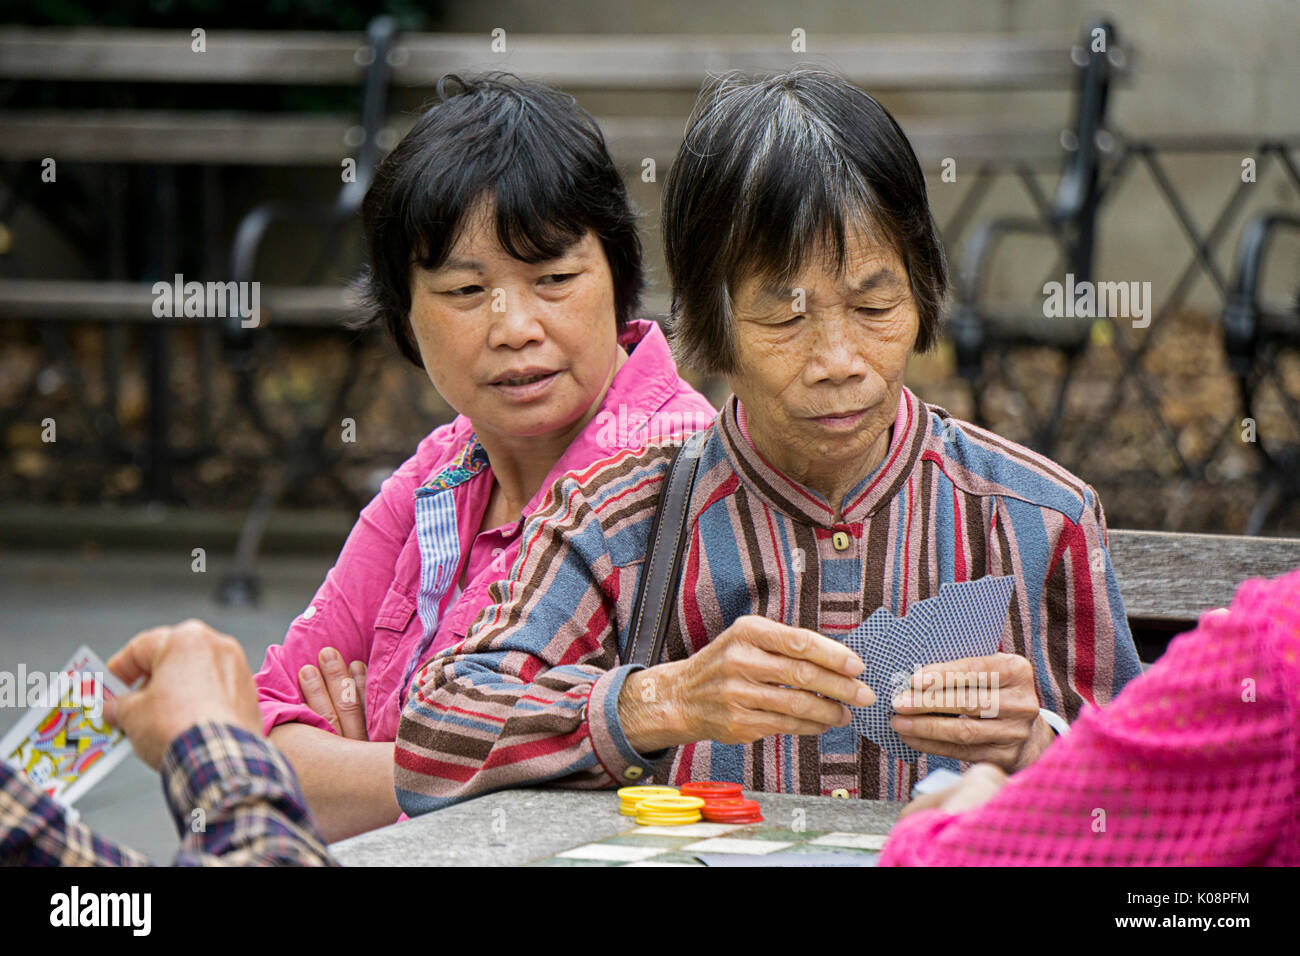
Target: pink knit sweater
(1197,762)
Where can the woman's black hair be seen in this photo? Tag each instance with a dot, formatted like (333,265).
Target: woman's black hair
(530,150)
(773,170)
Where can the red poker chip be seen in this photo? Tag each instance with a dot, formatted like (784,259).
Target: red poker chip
(710,790)
(732,810)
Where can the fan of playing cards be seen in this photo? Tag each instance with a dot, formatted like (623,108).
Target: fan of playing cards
(63,745)
(965,619)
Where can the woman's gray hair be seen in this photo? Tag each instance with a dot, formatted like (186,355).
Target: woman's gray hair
(771,170)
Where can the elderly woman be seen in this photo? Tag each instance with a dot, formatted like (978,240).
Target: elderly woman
(806,269)
(505,262)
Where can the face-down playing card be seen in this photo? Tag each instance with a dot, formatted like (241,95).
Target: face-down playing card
(965,619)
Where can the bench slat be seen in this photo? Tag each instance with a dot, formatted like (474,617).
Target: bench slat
(611,62)
(82,301)
(276,139)
(1165,576)
(165,56)
(623,62)
(155,136)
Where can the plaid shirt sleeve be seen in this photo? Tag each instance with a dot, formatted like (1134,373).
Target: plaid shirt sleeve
(234,799)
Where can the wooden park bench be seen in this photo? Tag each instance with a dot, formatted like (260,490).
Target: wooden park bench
(383,65)
(1167,579)
(161,141)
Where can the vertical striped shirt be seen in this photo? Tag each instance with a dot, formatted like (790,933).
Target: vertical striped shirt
(531,694)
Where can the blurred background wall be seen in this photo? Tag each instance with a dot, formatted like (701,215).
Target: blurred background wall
(1198,68)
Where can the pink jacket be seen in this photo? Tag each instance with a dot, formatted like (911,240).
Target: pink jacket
(375,604)
(1196,763)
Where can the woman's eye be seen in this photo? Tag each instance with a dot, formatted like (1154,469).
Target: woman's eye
(871,311)
(557,278)
(466,290)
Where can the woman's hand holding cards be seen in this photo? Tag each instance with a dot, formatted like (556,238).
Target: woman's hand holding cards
(1009,733)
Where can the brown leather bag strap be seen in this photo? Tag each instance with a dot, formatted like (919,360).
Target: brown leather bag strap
(656,592)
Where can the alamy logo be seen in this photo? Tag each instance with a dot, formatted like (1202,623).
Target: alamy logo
(630,428)
(39,689)
(1098,300)
(130,910)
(208,300)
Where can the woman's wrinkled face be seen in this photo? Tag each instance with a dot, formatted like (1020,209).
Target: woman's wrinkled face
(820,364)
(523,350)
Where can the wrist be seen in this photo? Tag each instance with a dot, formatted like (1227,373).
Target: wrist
(1040,738)
(647,713)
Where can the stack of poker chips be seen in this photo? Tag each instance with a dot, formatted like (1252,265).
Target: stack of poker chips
(732,810)
(712,800)
(723,802)
(629,797)
(668,811)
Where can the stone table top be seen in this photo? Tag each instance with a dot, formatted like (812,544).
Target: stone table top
(515,827)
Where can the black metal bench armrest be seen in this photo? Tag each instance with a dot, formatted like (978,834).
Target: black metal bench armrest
(980,247)
(381,34)
(1242,326)
(967,326)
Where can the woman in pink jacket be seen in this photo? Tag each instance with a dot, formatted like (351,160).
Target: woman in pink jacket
(504,260)
(1195,763)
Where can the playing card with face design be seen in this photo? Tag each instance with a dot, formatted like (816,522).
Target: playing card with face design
(63,743)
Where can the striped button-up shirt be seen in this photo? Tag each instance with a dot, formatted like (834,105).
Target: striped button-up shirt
(233,797)
(531,694)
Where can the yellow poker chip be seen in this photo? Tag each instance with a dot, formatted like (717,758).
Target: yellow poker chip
(629,797)
(668,811)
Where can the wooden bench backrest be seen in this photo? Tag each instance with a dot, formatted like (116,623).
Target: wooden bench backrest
(575,62)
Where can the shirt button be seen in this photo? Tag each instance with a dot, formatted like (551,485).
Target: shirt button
(632,773)
(308,614)
(841,793)
(840,540)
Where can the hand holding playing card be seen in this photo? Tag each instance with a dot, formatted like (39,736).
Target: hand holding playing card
(963,621)
(191,673)
(994,719)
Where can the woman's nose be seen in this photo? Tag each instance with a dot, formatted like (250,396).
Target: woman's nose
(515,320)
(836,356)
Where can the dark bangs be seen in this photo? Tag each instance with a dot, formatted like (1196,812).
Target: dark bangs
(808,209)
(533,153)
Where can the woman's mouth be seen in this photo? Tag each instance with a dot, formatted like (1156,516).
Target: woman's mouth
(843,422)
(524,387)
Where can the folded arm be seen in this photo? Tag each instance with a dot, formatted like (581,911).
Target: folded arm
(531,695)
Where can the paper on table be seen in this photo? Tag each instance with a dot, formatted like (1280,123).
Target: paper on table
(821,858)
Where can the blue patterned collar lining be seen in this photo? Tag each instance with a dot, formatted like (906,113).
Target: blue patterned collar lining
(472,459)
